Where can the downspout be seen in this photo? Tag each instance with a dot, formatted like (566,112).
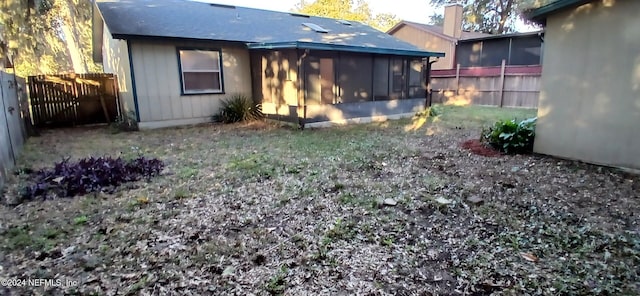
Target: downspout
(133,82)
(428,93)
(302,90)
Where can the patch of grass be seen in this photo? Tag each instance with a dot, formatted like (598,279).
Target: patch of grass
(253,165)
(180,193)
(80,220)
(351,199)
(43,239)
(187,172)
(387,241)
(466,116)
(137,203)
(277,284)
(139,285)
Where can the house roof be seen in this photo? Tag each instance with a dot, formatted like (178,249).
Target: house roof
(437,30)
(540,14)
(510,35)
(257,28)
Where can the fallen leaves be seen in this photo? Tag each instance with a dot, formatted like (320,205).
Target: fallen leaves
(306,216)
(529,257)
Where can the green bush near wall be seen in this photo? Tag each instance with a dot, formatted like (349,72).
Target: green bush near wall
(511,136)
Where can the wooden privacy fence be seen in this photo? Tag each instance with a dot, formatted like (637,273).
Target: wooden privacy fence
(505,86)
(73,99)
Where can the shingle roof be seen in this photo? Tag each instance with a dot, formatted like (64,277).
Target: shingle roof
(438,30)
(130,19)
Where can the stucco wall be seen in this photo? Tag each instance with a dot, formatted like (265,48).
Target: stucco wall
(429,42)
(590,89)
(115,59)
(158,87)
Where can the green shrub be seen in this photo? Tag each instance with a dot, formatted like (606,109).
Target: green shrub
(511,136)
(435,110)
(239,108)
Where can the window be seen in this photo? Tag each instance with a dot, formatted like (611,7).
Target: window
(200,71)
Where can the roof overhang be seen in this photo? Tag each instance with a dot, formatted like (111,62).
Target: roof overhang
(342,47)
(539,15)
(409,24)
(505,36)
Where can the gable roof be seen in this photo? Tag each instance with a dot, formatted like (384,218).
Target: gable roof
(540,14)
(257,28)
(437,30)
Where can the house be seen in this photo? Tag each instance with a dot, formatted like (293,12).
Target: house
(437,38)
(516,49)
(177,60)
(589,106)
(497,70)
(472,71)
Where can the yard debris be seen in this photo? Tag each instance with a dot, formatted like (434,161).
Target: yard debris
(229,270)
(443,201)
(67,251)
(475,199)
(389,202)
(272,225)
(89,262)
(529,257)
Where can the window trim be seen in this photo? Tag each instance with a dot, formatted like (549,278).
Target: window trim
(183,92)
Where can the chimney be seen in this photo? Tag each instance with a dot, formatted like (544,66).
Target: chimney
(453,21)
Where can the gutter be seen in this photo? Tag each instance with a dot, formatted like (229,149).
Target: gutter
(341,47)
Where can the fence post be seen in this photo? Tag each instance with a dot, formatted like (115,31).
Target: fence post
(457,79)
(502,70)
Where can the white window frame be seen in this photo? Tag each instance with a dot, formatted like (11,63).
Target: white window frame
(183,70)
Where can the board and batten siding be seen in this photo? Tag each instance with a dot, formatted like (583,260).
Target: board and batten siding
(115,59)
(158,86)
(590,88)
(429,42)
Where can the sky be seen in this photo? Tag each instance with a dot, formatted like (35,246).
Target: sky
(410,10)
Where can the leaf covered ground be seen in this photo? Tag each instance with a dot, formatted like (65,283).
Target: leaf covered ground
(396,208)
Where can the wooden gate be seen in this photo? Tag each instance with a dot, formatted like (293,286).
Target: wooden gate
(73,99)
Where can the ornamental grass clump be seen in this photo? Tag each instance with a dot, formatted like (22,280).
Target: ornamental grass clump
(239,108)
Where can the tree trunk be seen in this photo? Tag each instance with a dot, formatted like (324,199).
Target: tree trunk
(504,15)
(70,38)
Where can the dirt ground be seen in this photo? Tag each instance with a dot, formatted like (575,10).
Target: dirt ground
(395,208)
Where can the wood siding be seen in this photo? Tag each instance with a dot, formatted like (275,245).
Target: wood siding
(429,42)
(158,86)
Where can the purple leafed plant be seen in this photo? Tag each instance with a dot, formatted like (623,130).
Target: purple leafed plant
(68,179)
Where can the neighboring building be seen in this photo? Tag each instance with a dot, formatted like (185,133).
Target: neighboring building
(517,49)
(437,38)
(176,60)
(470,49)
(589,106)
